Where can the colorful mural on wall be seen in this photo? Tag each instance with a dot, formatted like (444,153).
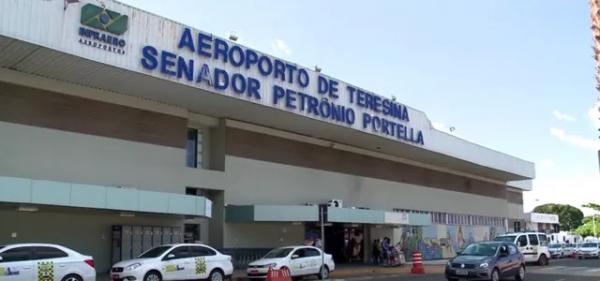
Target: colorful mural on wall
(443,241)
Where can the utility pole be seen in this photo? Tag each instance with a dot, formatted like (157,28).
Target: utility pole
(322,219)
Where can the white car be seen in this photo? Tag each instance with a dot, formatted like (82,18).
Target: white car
(299,260)
(588,250)
(556,250)
(569,250)
(36,261)
(175,262)
(533,245)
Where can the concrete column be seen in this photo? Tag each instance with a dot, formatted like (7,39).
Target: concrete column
(218,146)
(215,226)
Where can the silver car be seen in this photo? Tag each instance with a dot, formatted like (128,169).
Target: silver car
(494,260)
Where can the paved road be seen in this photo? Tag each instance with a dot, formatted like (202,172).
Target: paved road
(558,270)
(571,267)
(530,277)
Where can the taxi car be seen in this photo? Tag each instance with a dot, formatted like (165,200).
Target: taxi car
(175,262)
(492,260)
(589,250)
(37,261)
(569,250)
(299,260)
(556,250)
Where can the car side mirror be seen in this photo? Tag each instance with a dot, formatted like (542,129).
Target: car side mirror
(1,258)
(295,257)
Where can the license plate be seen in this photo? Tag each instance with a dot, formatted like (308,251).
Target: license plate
(253,271)
(462,272)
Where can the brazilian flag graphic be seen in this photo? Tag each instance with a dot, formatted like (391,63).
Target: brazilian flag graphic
(45,271)
(200,265)
(103,19)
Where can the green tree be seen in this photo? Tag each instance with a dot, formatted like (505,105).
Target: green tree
(569,217)
(587,228)
(592,206)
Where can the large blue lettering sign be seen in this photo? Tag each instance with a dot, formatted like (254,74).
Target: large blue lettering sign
(379,115)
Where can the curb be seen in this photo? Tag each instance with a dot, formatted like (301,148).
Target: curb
(370,273)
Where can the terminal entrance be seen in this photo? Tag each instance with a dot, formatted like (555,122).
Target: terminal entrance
(345,242)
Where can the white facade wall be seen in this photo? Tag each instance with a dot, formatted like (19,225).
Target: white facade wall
(292,185)
(515,211)
(262,235)
(48,154)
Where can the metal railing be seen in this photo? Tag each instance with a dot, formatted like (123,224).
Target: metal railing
(241,257)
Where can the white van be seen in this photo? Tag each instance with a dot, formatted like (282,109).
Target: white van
(533,245)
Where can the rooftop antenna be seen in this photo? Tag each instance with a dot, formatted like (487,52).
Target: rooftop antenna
(233,36)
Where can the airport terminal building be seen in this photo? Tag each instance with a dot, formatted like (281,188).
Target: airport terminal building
(120,130)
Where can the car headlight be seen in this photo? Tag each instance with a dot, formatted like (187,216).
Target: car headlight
(449,264)
(271,265)
(133,266)
(484,265)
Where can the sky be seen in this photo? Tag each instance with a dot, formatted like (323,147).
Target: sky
(515,76)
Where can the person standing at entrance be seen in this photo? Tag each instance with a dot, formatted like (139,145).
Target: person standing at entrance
(357,246)
(376,252)
(318,243)
(385,250)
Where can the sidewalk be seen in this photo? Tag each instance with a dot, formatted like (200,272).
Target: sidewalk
(360,270)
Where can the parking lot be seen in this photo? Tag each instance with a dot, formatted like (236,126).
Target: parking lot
(558,270)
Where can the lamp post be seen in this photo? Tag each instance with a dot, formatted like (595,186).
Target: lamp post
(594,224)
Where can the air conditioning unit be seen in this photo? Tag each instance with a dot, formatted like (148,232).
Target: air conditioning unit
(337,203)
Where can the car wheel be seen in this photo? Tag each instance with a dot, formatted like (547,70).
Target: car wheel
(216,275)
(542,260)
(521,274)
(72,277)
(324,273)
(152,276)
(495,275)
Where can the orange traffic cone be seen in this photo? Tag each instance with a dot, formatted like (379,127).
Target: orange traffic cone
(270,274)
(417,263)
(285,275)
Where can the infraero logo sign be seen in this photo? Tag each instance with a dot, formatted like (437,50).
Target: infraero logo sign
(103,19)
(100,18)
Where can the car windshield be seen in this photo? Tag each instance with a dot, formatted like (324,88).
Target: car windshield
(480,249)
(507,238)
(278,253)
(154,252)
(589,245)
(554,246)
